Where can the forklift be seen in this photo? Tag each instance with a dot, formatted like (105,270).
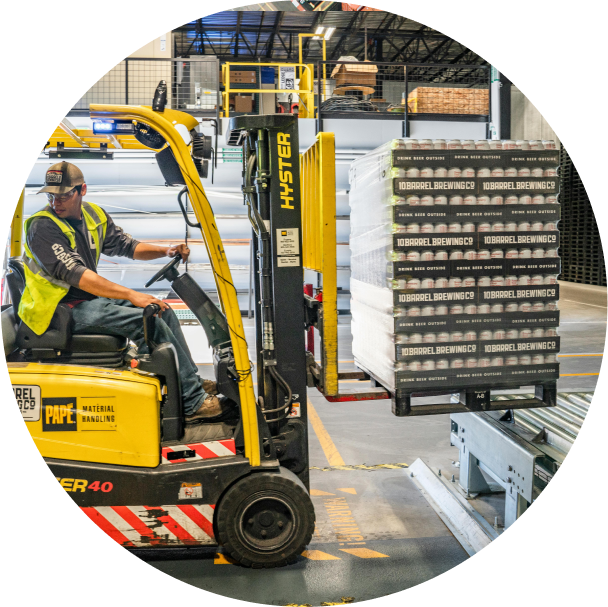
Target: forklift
(109,420)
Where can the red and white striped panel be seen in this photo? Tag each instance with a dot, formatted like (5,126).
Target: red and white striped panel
(209,450)
(156,526)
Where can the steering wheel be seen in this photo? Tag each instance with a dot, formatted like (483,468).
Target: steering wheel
(161,274)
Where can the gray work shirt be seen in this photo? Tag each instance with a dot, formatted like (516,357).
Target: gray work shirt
(68,264)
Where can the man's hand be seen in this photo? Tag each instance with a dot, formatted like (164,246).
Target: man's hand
(141,300)
(182,249)
(92,283)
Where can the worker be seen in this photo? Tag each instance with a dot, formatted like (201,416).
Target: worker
(63,243)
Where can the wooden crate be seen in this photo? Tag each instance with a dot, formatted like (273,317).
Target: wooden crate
(444,100)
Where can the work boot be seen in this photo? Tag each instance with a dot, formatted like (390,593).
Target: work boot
(211,407)
(209,386)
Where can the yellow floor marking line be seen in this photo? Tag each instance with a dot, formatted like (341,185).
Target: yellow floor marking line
(361,467)
(331,451)
(576,374)
(317,492)
(342,521)
(319,555)
(349,490)
(221,559)
(364,553)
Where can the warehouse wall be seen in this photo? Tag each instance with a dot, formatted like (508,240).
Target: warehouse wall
(144,76)
(526,121)
(155,48)
(581,248)
(581,245)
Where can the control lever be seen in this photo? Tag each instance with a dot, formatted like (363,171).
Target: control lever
(149,319)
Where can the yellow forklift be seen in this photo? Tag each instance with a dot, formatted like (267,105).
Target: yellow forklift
(109,420)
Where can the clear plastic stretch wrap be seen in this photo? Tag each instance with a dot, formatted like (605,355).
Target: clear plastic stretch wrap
(454,259)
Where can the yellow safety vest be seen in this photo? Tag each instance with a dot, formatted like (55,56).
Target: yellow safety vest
(42,292)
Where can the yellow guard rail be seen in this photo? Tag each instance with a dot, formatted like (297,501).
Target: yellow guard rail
(305,92)
(318,195)
(17,229)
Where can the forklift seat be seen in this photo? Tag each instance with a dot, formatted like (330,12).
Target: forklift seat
(57,343)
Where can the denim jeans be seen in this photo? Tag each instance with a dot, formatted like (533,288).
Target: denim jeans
(121,317)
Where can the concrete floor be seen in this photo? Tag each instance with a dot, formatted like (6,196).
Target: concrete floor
(402,541)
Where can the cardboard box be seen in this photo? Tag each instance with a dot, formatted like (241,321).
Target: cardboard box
(360,74)
(243,77)
(243,103)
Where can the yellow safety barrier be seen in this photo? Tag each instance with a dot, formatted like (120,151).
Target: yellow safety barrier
(323,42)
(17,229)
(305,92)
(318,195)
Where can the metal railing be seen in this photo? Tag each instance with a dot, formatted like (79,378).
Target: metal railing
(403,91)
(318,196)
(192,84)
(340,89)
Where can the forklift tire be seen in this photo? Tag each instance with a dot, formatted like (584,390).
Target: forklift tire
(265,520)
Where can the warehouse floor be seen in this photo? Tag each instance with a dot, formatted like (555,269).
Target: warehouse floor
(402,541)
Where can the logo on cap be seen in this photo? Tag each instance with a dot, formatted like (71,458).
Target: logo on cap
(54,177)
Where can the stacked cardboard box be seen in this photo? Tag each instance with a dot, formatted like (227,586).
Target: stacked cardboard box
(454,278)
(444,100)
(355,74)
(243,77)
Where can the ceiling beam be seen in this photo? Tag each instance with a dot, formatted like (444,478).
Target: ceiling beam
(257,39)
(238,34)
(275,30)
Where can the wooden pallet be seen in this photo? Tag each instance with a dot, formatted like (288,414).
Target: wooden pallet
(444,100)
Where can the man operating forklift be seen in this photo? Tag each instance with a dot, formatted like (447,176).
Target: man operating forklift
(63,243)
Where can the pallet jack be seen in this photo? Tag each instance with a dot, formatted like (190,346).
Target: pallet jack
(109,421)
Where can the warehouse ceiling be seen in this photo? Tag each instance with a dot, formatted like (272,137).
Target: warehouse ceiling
(246,35)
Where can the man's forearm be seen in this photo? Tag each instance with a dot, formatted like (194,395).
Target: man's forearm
(145,252)
(96,285)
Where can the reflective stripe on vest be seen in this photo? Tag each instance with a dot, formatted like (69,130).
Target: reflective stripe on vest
(43,292)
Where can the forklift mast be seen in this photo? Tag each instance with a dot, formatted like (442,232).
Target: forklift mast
(271,186)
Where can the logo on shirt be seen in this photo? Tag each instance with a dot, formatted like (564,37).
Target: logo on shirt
(63,256)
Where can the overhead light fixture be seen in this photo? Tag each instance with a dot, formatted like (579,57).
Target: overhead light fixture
(320,30)
(329,32)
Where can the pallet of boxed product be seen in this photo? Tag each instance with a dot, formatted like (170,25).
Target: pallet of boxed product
(448,100)
(454,258)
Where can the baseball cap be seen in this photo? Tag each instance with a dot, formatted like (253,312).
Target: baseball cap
(61,178)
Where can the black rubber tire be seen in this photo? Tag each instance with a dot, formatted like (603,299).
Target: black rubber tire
(252,498)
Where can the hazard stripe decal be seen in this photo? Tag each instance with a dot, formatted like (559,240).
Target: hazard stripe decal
(209,450)
(156,526)
(106,526)
(146,535)
(204,522)
(171,525)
